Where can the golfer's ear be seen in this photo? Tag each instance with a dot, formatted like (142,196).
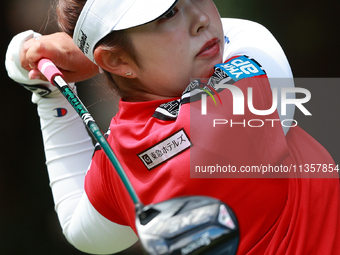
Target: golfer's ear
(118,64)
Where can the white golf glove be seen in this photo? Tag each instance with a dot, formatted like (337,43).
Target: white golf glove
(19,74)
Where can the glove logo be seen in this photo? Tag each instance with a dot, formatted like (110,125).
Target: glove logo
(61,112)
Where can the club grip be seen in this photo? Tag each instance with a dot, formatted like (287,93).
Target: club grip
(48,69)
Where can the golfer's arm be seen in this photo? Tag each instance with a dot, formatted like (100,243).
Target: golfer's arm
(90,232)
(68,150)
(254,40)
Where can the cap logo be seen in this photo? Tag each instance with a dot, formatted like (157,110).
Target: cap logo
(83,45)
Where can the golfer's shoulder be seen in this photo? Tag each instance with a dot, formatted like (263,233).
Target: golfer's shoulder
(244,37)
(243,26)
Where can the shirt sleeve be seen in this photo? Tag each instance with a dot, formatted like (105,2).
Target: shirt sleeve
(244,37)
(68,150)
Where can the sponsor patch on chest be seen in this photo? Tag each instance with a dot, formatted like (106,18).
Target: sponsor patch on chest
(165,150)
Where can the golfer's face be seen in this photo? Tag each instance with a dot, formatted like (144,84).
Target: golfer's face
(185,43)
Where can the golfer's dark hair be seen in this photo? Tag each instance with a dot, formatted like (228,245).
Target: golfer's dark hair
(68,12)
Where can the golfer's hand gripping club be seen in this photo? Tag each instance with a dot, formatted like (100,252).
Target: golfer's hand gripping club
(55,77)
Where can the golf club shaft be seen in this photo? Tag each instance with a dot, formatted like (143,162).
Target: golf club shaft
(53,74)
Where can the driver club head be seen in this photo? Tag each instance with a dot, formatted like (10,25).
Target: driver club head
(187,226)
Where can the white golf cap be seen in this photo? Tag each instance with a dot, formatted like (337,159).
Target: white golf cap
(100,17)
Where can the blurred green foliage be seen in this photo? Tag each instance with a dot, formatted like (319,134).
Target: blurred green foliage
(307,31)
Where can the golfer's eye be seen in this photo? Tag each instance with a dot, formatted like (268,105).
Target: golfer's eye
(169,14)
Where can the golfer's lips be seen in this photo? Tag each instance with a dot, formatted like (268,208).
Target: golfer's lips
(210,48)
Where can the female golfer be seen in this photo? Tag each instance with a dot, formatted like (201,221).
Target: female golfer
(158,55)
